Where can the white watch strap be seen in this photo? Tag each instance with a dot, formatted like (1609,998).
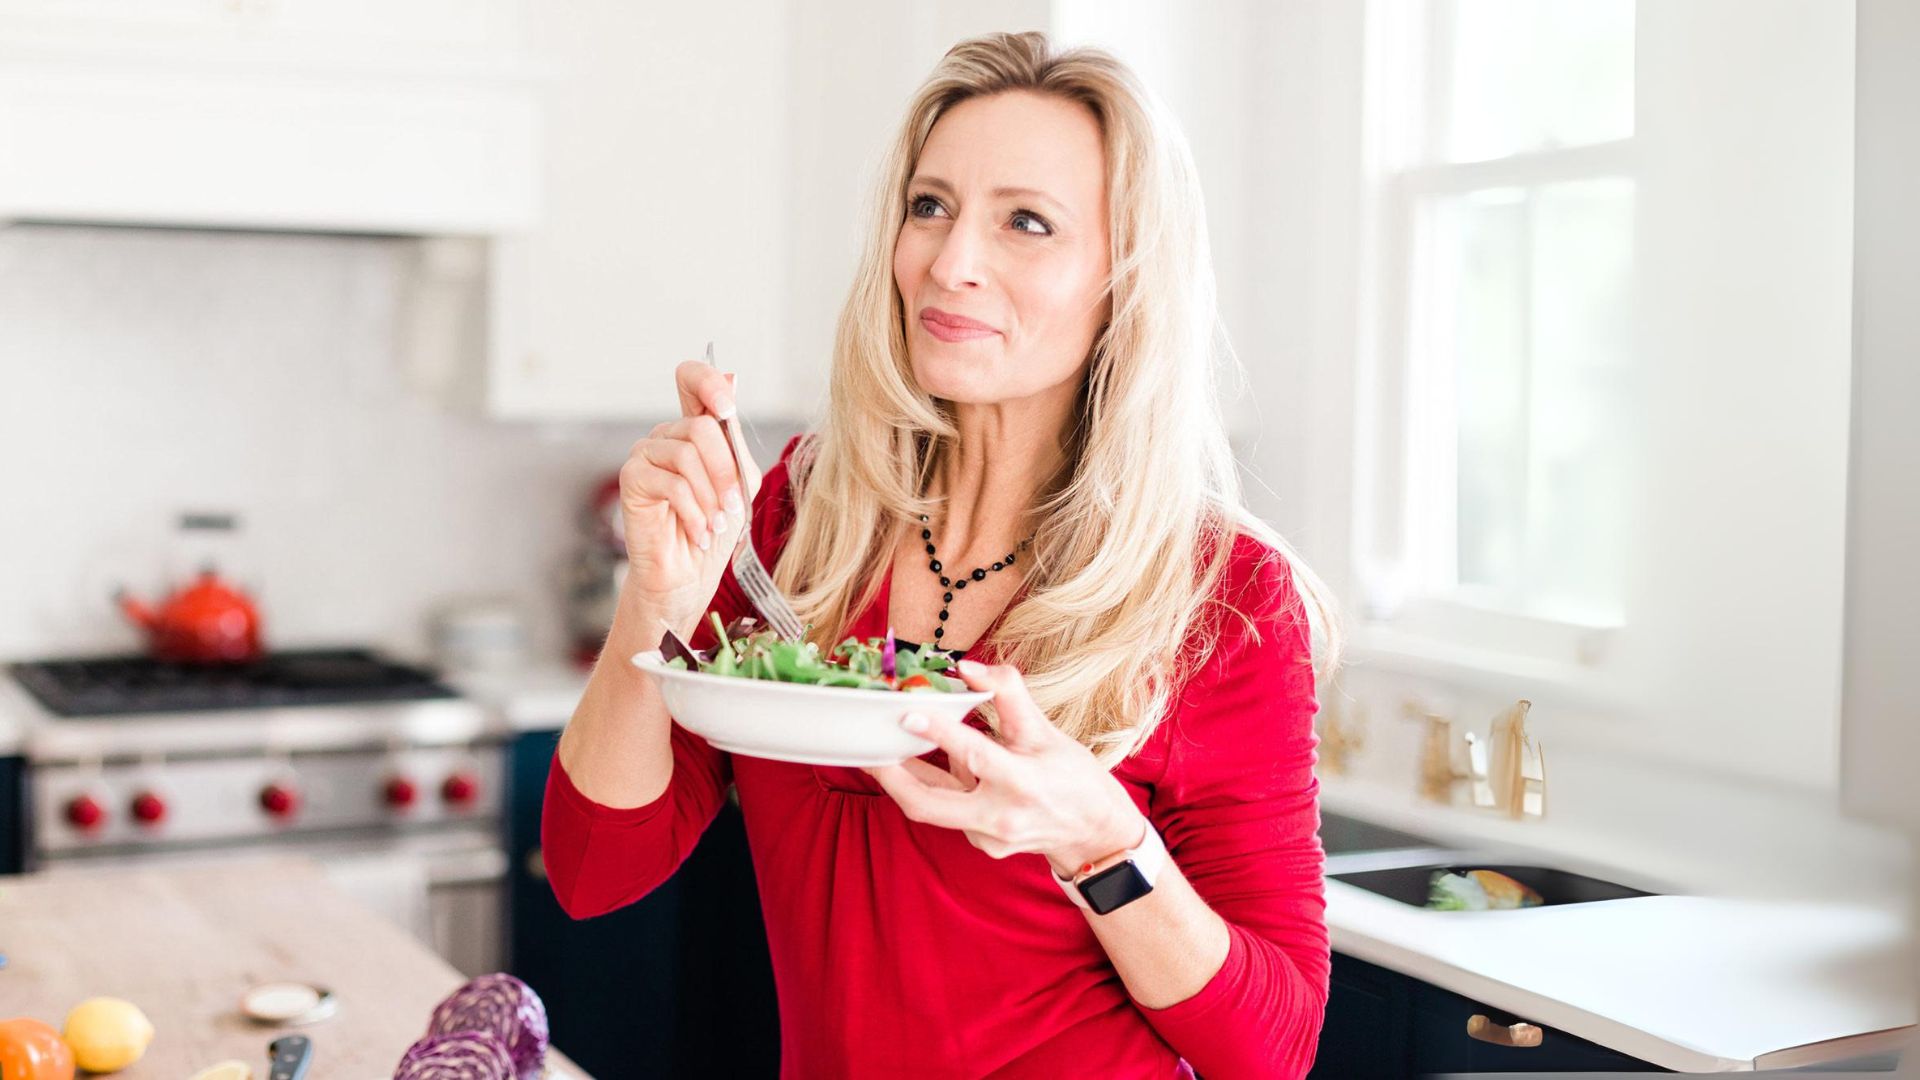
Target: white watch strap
(1149,857)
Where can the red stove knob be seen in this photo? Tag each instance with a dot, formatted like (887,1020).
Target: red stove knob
(280,800)
(461,789)
(85,812)
(400,792)
(149,808)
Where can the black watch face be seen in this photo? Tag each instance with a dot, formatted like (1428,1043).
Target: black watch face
(1114,887)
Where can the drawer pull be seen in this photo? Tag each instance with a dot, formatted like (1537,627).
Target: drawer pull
(1521,1034)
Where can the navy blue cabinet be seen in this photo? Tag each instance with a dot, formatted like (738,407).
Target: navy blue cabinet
(1381,1023)
(13,815)
(1366,1032)
(677,984)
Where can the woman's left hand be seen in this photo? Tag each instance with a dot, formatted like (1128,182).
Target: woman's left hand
(1034,790)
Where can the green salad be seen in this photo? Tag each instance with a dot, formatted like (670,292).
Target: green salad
(748,652)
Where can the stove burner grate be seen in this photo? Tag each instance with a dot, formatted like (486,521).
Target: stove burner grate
(132,685)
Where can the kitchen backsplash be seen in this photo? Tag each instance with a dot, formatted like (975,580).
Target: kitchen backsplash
(147,372)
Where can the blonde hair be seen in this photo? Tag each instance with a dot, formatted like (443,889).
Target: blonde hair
(1103,634)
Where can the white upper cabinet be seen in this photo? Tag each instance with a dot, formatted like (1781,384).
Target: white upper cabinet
(402,116)
(666,216)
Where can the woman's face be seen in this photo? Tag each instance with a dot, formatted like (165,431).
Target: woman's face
(1006,236)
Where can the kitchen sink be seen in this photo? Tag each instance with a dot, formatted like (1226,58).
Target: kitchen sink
(1343,835)
(1409,884)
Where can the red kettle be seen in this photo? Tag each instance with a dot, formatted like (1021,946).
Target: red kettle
(207,622)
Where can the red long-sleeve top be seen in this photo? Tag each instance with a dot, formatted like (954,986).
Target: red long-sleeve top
(900,949)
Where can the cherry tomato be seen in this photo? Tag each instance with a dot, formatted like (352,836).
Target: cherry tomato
(917,682)
(31,1050)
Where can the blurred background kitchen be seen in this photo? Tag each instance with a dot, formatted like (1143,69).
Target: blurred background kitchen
(1548,314)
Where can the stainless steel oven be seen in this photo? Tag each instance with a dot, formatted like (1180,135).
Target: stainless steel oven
(388,779)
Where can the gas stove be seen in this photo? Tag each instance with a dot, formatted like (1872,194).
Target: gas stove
(126,754)
(374,768)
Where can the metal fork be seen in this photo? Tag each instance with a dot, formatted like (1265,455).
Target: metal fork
(748,570)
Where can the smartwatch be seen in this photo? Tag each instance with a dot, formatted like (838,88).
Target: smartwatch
(1109,885)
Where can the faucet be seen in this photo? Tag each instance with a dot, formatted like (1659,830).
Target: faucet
(1515,782)
(1340,740)
(1440,770)
(1519,765)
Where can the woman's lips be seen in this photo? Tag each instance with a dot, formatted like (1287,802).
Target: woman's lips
(953,327)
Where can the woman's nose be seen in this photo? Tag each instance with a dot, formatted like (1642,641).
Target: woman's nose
(962,259)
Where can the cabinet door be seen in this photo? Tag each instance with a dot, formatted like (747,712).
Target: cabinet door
(654,981)
(15,828)
(1365,1032)
(609,983)
(1441,1042)
(663,223)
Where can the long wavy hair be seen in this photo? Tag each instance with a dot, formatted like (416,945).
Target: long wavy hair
(1107,630)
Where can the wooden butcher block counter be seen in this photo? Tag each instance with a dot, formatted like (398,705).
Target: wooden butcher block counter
(183,943)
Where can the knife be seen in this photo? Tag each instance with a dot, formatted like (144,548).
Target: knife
(290,1055)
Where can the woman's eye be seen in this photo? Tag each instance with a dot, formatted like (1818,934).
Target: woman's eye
(1022,215)
(915,204)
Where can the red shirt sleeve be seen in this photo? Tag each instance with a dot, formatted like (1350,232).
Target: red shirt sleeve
(1238,808)
(601,858)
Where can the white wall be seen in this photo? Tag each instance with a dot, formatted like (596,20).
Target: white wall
(147,372)
(854,65)
(1744,296)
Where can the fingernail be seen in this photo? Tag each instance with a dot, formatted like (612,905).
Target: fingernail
(725,409)
(731,500)
(705,541)
(973,668)
(718,523)
(914,722)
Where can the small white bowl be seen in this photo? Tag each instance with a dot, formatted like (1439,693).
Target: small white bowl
(806,725)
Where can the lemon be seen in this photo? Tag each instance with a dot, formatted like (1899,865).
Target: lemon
(226,1070)
(107,1034)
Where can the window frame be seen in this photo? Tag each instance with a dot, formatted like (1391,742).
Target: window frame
(1461,632)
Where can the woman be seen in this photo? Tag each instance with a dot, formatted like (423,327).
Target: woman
(1023,462)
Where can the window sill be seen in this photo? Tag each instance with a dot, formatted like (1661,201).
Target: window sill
(1391,648)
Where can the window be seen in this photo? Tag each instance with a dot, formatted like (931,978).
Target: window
(1498,374)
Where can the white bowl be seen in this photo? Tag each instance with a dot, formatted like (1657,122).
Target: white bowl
(807,725)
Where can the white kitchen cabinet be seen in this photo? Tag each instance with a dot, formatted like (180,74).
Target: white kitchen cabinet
(665,222)
(706,174)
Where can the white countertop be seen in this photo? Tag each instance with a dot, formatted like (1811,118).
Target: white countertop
(1711,976)
(1691,983)
(539,697)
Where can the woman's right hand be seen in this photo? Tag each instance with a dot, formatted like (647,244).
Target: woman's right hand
(681,502)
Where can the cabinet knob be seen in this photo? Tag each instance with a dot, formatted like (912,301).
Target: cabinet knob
(1520,1034)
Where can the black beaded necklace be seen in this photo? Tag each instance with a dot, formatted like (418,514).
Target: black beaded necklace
(952,585)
